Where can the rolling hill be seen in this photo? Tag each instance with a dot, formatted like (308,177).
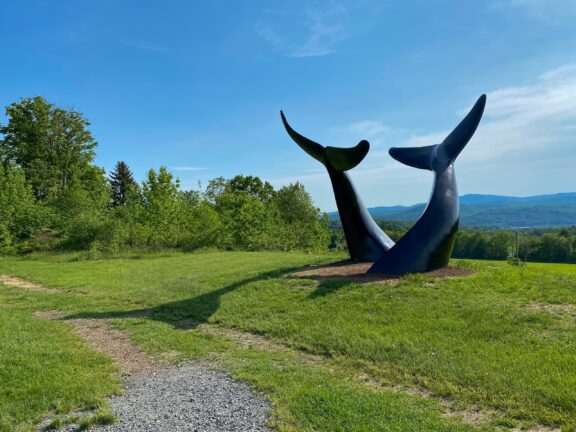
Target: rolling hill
(496,211)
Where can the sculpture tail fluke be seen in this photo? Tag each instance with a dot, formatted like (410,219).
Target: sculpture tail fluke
(417,157)
(341,159)
(448,151)
(459,137)
(312,148)
(344,159)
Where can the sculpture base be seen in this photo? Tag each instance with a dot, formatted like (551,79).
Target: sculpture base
(356,272)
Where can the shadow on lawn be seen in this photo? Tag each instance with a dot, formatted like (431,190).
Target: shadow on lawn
(184,314)
(328,286)
(338,275)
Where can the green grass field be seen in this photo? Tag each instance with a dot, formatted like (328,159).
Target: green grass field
(501,341)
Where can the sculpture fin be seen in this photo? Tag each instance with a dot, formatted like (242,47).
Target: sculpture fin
(341,159)
(312,148)
(459,137)
(417,157)
(441,155)
(344,159)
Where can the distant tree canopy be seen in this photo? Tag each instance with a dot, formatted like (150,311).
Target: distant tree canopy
(52,196)
(541,245)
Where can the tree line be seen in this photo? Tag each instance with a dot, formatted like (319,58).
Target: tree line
(54,197)
(556,245)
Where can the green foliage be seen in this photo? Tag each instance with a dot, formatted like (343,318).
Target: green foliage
(539,245)
(160,205)
(551,245)
(51,144)
(54,197)
(252,186)
(202,226)
(122,184)
(20,216)
(303,225)
(256,217)
(247,221)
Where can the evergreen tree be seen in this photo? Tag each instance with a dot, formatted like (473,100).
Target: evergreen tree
(121,184)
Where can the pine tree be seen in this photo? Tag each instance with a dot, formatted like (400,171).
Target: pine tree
(121,183)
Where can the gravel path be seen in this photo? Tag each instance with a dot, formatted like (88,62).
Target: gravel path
(186,398)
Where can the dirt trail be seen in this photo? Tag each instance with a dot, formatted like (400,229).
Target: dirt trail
(114,343)
(21,283)
(130,359)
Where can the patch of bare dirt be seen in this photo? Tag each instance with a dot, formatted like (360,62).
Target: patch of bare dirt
(249,340)
(536,429)
(354,271)
(21,283)
(49,315)
(556,309)
(114,343)
(474,415)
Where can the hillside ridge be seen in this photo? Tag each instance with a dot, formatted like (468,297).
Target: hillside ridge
(498,211)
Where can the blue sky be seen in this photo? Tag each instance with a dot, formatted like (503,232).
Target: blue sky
(197,86)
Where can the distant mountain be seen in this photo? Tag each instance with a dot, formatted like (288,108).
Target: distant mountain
(496,211)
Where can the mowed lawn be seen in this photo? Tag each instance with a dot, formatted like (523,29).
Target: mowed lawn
(501,341)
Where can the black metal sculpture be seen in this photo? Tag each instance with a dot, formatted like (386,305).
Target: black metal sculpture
(365,240)
(428,244)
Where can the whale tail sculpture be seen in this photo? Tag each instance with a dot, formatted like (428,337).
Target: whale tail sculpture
(365,240)
(428,244)
(340,159)
(438,157)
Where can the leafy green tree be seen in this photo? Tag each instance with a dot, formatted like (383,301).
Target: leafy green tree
(245,220)
(216,187)
(160,194)
(251,185)
(52,145)
(122,184)
(201,226)
(20,216)
(303,225)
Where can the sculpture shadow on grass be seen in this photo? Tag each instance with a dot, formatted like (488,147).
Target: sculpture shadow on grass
(329,286)
(184,314)
(338,275)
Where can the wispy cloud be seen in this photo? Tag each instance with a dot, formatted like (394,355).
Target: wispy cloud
(188,168)
(527,133)
(365,128)
(323,35)
(146,46)
(530,118)
(312,33)
(549,10)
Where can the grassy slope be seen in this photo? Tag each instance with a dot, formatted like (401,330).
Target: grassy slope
(477,340)
(45,367)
